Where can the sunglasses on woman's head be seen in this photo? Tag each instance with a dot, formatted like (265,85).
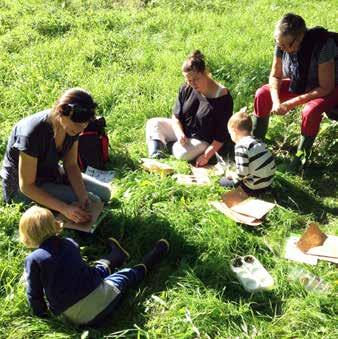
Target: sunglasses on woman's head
(82,114)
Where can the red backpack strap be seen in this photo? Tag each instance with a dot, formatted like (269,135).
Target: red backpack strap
(105,147)
(80,161)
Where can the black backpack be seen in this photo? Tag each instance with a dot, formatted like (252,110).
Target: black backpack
(93,145)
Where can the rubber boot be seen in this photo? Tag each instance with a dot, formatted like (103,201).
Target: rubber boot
(260,126)
(303,154)
(170,145)
(156,149)
(156,255)
(117,256)
(333,114)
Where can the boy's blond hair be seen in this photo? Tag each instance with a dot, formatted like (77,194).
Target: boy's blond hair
(36,225)
(241,121)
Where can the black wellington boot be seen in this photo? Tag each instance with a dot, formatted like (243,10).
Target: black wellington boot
(333,114)
(156,149)
(117,256)
(260,126)
(156,255)
(303,154)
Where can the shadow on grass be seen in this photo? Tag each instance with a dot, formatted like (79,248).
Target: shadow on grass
(293,196)
(121,161)
(138,235)
(322,179)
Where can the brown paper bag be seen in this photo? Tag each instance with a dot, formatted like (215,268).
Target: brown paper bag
(312,237)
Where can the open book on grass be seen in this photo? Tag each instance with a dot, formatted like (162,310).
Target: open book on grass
(96,210)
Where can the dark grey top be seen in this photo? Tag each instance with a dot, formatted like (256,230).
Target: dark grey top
(34,136)
(203,118)
(328,52)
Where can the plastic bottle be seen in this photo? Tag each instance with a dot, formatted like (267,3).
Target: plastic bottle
(310,281)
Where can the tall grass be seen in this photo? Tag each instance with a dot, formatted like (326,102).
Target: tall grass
(129,55)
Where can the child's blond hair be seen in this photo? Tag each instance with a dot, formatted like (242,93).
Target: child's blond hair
(241,121)
(36,225)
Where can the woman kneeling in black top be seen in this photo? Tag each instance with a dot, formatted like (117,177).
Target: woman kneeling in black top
(198,127)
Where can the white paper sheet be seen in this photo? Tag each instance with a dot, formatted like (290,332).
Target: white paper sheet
(104,176)
(192,179)
(292,252)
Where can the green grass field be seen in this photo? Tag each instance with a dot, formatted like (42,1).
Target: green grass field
(129,55)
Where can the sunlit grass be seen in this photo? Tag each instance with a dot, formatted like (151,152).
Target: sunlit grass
(129,55)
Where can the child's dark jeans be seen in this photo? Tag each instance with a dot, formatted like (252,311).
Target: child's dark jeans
(123,280)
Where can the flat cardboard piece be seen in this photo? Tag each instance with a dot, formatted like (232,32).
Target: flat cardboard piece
(209,170)
(96,207)
(199,180)
(328,249)
(292,252)
(234,197)
(253,207)
(155,166)
(312,237)
(330,259)
(243,219)
(238,206)
(326,252)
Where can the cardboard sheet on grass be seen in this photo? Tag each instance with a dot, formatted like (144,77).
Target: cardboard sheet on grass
(241,208)
(96,209)
(312,246)
(155,166)
(209,170)
(187,179)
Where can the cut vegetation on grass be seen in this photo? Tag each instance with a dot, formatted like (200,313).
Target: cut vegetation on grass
(128,54)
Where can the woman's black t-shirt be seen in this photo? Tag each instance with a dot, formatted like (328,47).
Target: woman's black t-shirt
(34,136)
(203,118)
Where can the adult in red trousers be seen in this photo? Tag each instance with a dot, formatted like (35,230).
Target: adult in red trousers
(304,72)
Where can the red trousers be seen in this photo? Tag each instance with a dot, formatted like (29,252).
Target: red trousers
(312,111)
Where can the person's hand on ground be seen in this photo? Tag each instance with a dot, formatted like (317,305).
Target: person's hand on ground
(201,161)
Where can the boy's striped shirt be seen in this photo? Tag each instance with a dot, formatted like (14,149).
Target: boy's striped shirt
(254,162)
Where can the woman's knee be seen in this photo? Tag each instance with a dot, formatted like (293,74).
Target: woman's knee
(103,192)
(95,189)
(154,123)
(263,101)
(181,152)
(263,92)
(312,117)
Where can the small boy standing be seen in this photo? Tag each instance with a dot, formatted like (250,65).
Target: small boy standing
(255,165)
(56,273)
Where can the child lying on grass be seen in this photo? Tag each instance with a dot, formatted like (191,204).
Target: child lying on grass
(254,163)
(56,273)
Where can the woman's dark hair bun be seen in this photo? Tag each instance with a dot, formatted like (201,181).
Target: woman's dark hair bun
(197,54)
(195,62)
